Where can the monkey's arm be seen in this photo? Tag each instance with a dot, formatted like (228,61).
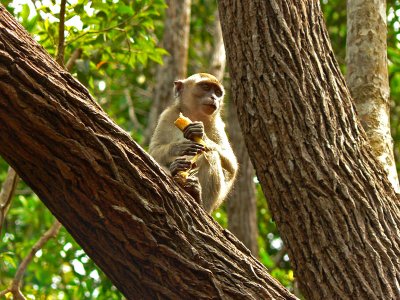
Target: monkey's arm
(167,143)
(165,154)
(226,155)
(216,174)
(218,141)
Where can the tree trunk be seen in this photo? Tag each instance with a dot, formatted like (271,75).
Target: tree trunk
(148,236)
(176,42)
(218,58)
(335,209)
(367,77)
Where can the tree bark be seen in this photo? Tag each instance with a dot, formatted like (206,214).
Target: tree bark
(367,77)
(148,236)
(335,209)
(176,42)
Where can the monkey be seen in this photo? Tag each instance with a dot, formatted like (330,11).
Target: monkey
(200,98)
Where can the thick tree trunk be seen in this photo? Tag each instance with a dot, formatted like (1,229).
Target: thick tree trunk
(367,77)
(335,209)
(176,42)
(150,238)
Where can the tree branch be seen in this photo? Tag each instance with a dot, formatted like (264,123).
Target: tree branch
(12,180)
(7,193)
(131,109)
(17,281)
(72,60)
(61,36)
(148,236)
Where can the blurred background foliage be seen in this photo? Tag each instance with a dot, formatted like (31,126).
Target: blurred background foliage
(119,42)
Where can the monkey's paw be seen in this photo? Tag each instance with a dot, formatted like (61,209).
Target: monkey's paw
(194,131)
(193,187)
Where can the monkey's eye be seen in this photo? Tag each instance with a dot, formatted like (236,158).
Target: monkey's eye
(205,86)
(218,92)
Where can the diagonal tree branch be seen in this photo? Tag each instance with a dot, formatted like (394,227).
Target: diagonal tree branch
(149,237)
(12,179)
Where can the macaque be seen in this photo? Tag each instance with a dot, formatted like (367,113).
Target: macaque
(200,98)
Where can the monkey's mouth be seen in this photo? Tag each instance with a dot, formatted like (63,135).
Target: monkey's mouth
(210,108)
(211,105)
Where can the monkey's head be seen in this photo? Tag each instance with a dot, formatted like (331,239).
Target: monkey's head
(201,93)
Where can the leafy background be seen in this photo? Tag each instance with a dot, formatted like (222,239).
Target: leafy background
(119,41)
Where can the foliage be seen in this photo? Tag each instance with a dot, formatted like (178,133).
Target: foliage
(394,74)
(118,40)
(61,270)
(335,16)
(119,53)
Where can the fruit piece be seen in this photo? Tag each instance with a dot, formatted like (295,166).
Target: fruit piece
(182,122)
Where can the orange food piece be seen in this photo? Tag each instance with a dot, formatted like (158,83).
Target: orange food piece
(182,122)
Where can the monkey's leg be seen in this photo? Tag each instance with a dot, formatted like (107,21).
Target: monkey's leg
(193,187)
(190,184)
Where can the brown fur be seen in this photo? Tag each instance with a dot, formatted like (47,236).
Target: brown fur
(217,168)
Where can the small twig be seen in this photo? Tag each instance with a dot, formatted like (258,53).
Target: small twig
(25,191)
(16,283)
(71,61)
(5,292)
(7,193)
(131,110)
(61,36)
(115,27)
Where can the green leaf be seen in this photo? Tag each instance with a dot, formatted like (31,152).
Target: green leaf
(125,10)
(142,57)
(30,25)
(25,12)
(102,14)
(266,259)
(8,257)
(79,8)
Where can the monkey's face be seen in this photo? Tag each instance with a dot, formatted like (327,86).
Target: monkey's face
(200,96)
(209,96)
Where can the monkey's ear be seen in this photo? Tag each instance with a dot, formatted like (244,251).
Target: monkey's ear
(178,85)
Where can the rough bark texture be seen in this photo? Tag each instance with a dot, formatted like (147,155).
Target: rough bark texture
(367,77)
(335,209)
(150,238)
(242,201)
(176,42)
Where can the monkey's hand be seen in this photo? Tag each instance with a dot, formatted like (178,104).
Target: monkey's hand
(181,164)
(191,185)
(189,148)
(194,130)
